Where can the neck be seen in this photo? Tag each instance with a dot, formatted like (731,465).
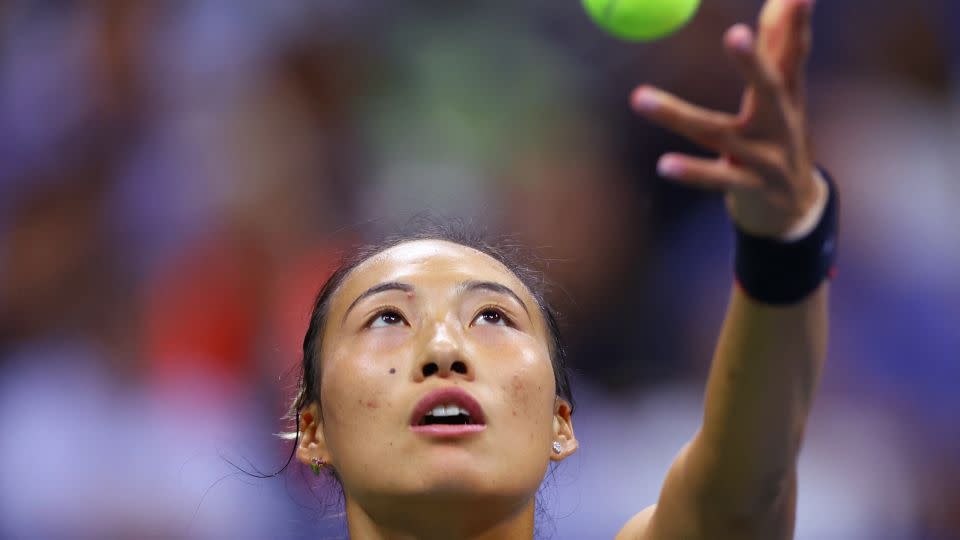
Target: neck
(446,518)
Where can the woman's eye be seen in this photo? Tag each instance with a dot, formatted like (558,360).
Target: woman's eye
(387,318)
(491,316)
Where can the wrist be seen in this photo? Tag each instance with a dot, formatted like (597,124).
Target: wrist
(770,214)
(785,269)
(808,221)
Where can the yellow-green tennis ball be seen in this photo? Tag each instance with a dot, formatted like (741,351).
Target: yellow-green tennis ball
(641,20)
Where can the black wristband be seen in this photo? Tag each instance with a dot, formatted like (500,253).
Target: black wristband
(777,272)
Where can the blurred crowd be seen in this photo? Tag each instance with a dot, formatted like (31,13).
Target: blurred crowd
(178,178)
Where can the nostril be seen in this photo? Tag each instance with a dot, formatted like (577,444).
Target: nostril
(430,369)
(459,367)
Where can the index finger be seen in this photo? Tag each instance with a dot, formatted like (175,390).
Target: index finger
(797,51)
(784,39)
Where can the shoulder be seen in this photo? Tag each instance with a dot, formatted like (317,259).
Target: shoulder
(636,528)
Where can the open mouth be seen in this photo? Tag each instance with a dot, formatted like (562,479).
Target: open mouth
(446,415)
(447,412)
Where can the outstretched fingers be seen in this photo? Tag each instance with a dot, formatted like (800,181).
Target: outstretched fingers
(740,43)
(711,129)
(784,40)
(703,126)
(763,104)
(716,131)
(718,174)
(797,52)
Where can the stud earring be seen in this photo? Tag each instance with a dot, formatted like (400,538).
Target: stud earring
(316,464)
(557,447)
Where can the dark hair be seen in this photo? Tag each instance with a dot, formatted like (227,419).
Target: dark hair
(509,254)
(512,255)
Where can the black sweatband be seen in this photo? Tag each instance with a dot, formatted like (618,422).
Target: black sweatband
(777,272)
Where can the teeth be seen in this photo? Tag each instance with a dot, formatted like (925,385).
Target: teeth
(447,410)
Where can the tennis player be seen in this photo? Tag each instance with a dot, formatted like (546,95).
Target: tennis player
(433,382)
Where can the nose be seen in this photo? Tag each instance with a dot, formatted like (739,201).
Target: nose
(443,355)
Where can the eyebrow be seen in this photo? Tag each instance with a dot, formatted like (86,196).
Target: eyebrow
(467,286)
(495,287)
(377,289)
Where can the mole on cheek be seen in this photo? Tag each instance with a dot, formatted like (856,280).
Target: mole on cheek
(393,370)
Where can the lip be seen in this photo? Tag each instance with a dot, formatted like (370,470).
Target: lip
(448,396)
(447,431)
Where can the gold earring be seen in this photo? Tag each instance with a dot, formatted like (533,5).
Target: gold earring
(316,464)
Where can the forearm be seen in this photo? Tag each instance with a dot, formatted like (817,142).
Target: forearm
(737,477)
(759,392)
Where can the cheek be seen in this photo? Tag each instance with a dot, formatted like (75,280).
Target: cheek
(524,372)
(529,389)
(355,393)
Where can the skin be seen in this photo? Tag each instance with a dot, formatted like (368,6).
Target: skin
(735,479)
(481,486)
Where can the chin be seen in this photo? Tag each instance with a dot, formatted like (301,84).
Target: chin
(456,480)
(459,500)
(452,476)
(466,483)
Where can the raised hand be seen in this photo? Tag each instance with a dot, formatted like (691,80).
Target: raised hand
(764,164)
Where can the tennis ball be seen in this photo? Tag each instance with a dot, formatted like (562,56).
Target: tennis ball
(641,20)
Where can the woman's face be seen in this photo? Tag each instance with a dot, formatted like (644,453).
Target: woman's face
(423,317)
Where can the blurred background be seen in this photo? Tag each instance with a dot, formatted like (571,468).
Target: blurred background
(177,179)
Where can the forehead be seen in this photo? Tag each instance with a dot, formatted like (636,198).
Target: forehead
(429,263)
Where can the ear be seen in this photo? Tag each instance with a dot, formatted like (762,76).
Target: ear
(563,431)
(312,444)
